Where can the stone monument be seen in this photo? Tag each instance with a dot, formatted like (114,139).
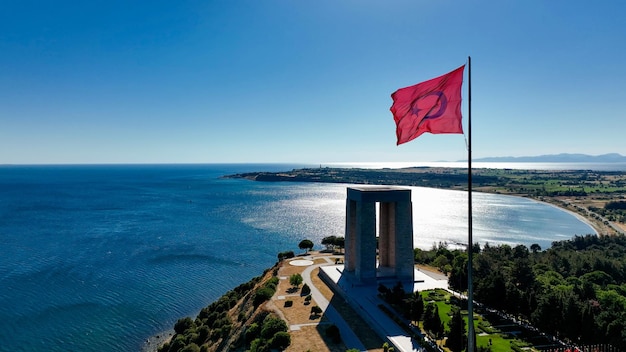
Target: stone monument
(395,227)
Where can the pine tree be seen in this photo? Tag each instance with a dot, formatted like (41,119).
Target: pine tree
(432,321)
(457,337)
(416,307)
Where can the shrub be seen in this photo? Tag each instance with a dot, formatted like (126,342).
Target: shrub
(271,325)
(223,321)
(286,255)
(178,343)
(225,330)
(261,295)
(305,290)
(272,283)
(257,345)
(281,340)
(203,334)
(288,303)
(246,287)
(216,334)
(387,347)
(191,337)
(252,332)
(183,324)
(295,280)
(204,313)
(241,316)
(316,310)
(212,318)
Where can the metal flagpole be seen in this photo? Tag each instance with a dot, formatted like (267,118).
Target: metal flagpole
(471,344)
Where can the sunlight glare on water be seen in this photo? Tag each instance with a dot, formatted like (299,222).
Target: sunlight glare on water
(314,211)
(442,215)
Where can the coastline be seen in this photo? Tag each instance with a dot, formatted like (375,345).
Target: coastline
(137,258)
(575,191)
(588,217)
(153,342)
(579,216)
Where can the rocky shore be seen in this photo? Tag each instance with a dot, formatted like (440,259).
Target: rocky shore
(153,342)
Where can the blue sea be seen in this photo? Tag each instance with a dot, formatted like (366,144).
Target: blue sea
(99,258)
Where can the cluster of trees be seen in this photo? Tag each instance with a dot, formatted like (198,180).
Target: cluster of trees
(212,324)
(333,243)
(575,290)
(330,242)
(369,176)
(285,255)
(613,211)
(414,309)
(219,324)
(267,333)
(618,205)
(570,192)
(265,292)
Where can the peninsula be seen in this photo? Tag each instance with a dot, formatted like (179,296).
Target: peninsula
(597,196)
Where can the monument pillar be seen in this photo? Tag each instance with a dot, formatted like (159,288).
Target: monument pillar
(395,227)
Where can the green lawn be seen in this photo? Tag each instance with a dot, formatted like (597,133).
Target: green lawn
(498,343)
(486,333)
(442,299)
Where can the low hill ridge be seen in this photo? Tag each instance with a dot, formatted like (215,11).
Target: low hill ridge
(559,158)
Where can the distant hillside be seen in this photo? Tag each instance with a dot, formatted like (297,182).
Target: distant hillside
(560,158)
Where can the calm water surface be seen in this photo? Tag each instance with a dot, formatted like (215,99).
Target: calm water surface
(98,258)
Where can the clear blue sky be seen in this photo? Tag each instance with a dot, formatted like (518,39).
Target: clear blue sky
(303,81)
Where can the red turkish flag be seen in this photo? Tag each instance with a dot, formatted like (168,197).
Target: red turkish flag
(432,106)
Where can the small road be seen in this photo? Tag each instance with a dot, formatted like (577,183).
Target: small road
(347,335)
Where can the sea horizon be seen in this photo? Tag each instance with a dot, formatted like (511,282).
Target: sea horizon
(275,166)
(102,257)
(596,166)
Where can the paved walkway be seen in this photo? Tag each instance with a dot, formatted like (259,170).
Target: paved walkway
(364,299)
(347,335)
